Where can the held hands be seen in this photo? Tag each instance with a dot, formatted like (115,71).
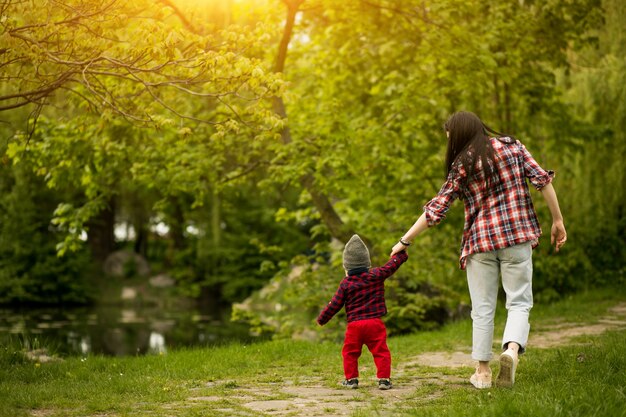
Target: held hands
(398,247)
(558,235)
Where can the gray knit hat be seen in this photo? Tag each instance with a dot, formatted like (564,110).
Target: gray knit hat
(355,254)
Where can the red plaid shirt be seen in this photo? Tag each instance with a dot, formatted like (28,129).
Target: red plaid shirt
(505,216)
(363,294)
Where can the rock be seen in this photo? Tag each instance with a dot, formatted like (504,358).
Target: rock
(162,281)
(128,294)
(124,263)
(40,356)
(306,334)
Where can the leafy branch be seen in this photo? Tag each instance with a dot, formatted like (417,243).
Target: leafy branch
(117,68)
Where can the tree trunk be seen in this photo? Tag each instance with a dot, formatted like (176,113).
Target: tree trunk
(177,225)
(497,102)
(140,218)
(141,240)
(101,235)
(216,229)
(507,109)
(330,218)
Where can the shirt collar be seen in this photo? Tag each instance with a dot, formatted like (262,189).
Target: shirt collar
(358,271)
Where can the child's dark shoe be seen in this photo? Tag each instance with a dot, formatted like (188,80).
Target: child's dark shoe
(352,383)
(384,383)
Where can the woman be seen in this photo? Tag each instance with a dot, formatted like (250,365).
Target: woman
(488,172)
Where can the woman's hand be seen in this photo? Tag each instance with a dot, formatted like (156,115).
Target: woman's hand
(558,235)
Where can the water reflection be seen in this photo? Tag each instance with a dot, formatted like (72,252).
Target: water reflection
(117,331)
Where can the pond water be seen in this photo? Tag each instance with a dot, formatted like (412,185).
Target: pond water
(116,330)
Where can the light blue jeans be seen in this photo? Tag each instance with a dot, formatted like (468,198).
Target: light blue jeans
(483,278)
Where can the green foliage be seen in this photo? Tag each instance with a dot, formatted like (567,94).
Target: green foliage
(290,303)
(176,119)
(415,305)
(199,94)
(30,270)
(135,60)
(592,163)
(239,254)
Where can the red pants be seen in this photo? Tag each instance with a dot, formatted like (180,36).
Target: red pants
(373,334)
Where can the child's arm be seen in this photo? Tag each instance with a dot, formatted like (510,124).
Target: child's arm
(391,266)
(333,307)
(558,235)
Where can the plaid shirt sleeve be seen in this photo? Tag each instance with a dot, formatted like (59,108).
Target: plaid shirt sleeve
(391,266)
(333,306)
(437,208)
(537,176)
(372,303)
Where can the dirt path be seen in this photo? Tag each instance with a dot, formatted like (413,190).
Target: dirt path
(311,398)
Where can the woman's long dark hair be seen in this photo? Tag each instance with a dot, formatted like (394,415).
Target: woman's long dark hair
(469,143)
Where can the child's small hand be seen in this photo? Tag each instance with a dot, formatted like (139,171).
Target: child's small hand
(397,248)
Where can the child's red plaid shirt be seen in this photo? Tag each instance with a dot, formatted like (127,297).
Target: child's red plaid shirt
(503,217)
(363,294)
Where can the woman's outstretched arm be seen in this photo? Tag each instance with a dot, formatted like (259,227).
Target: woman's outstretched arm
(417,228)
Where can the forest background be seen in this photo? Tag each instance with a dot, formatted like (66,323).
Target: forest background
(238,143)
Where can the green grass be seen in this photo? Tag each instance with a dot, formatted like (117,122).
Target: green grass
(585,378)
(550,383)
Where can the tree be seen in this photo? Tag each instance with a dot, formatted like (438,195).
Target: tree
(111,68)
(371,83)
(592,159)
(30,270)
(124,57)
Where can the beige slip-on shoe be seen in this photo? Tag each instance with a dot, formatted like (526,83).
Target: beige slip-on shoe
(508,365)
(481,381)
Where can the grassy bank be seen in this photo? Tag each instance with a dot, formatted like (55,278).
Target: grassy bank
(584,375)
